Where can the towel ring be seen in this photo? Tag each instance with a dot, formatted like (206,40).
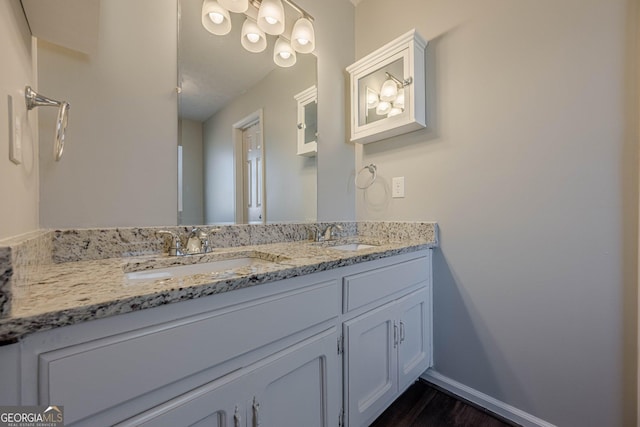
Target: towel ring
(34,99)
(373,170)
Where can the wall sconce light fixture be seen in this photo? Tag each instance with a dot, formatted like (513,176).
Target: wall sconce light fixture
(263,17)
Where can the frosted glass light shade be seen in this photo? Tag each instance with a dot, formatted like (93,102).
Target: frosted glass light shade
(215,18)
(399,101)
(271,17)
(372,98)
(383,108)
(394,112)
(303,38)
(283,53)
(253,38)
(389,91)
(236,6)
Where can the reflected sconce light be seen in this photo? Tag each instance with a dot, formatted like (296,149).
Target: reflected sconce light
(394,111)
(263,17)
(389,90)
(373,98)
(390,101)
(383,108)
(303,38)
(283,53)
(235,6)
(399,101)
(271,17)
(253,38)
(215,18)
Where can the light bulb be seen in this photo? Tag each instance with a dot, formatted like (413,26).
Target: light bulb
(303,36)
(399,101)
(389,91)
(383,108)
(372,99)
(271,17)
(283,53)
(216,17)
(394,112)
(253,38)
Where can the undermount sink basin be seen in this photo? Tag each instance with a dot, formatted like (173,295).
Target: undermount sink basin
(210,267)
(353,247)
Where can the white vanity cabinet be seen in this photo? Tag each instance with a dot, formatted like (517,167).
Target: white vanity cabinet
(389,346)
(288,389)
(197,360)
(328,349)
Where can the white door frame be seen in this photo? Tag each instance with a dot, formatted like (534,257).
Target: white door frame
(238,163)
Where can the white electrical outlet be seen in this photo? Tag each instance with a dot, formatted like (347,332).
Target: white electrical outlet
(397,186)
(15,134)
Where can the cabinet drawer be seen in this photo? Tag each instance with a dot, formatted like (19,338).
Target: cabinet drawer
(94,376)
(367,287)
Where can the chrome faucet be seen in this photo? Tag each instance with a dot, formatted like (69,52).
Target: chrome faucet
(329,233)
(176,243)
(198,241)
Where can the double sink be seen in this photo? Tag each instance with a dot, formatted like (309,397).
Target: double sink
(223,268)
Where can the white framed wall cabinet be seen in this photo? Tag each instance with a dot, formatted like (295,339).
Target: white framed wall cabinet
(388,90)
(307,122)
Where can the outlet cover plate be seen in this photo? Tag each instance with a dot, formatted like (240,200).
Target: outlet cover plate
(397,187)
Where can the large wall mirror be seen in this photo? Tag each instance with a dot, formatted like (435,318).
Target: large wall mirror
(238,125)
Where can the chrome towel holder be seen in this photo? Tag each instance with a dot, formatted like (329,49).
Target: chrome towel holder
(373,170)
(34,99)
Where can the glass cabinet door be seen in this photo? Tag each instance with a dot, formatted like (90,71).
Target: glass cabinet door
(388,90)
(307,121)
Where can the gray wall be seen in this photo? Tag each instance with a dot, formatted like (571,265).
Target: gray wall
(18,183)
(529,164)
(192,172)
(334,48)
(291,179)
(120,162)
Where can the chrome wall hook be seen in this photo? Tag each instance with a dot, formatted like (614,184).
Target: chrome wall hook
(34,99)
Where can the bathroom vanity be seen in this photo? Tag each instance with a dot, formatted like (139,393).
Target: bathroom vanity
(315,336)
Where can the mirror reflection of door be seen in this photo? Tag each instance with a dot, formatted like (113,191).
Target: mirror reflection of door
(253,163)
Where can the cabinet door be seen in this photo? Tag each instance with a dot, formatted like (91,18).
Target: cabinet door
(414,326)
(370,363)
(301,387)
(216,404)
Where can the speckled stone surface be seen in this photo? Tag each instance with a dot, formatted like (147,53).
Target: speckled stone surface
(20,258)
(6,272)
(399,230)
(93,244)
(65,293)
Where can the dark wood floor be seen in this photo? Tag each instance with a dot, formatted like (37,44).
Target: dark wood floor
(422,405)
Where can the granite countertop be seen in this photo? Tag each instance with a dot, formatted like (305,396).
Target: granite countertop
(72,292)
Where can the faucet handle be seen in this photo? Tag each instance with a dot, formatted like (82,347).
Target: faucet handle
(176,243)
(207,239)
(330,231)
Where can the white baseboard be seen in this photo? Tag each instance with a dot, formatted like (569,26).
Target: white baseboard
(494,405)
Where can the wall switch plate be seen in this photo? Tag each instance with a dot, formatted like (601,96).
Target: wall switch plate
(397,187)
(15,134)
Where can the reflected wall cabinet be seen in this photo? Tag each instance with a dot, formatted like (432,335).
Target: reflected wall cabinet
(307,121)
(388,90)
